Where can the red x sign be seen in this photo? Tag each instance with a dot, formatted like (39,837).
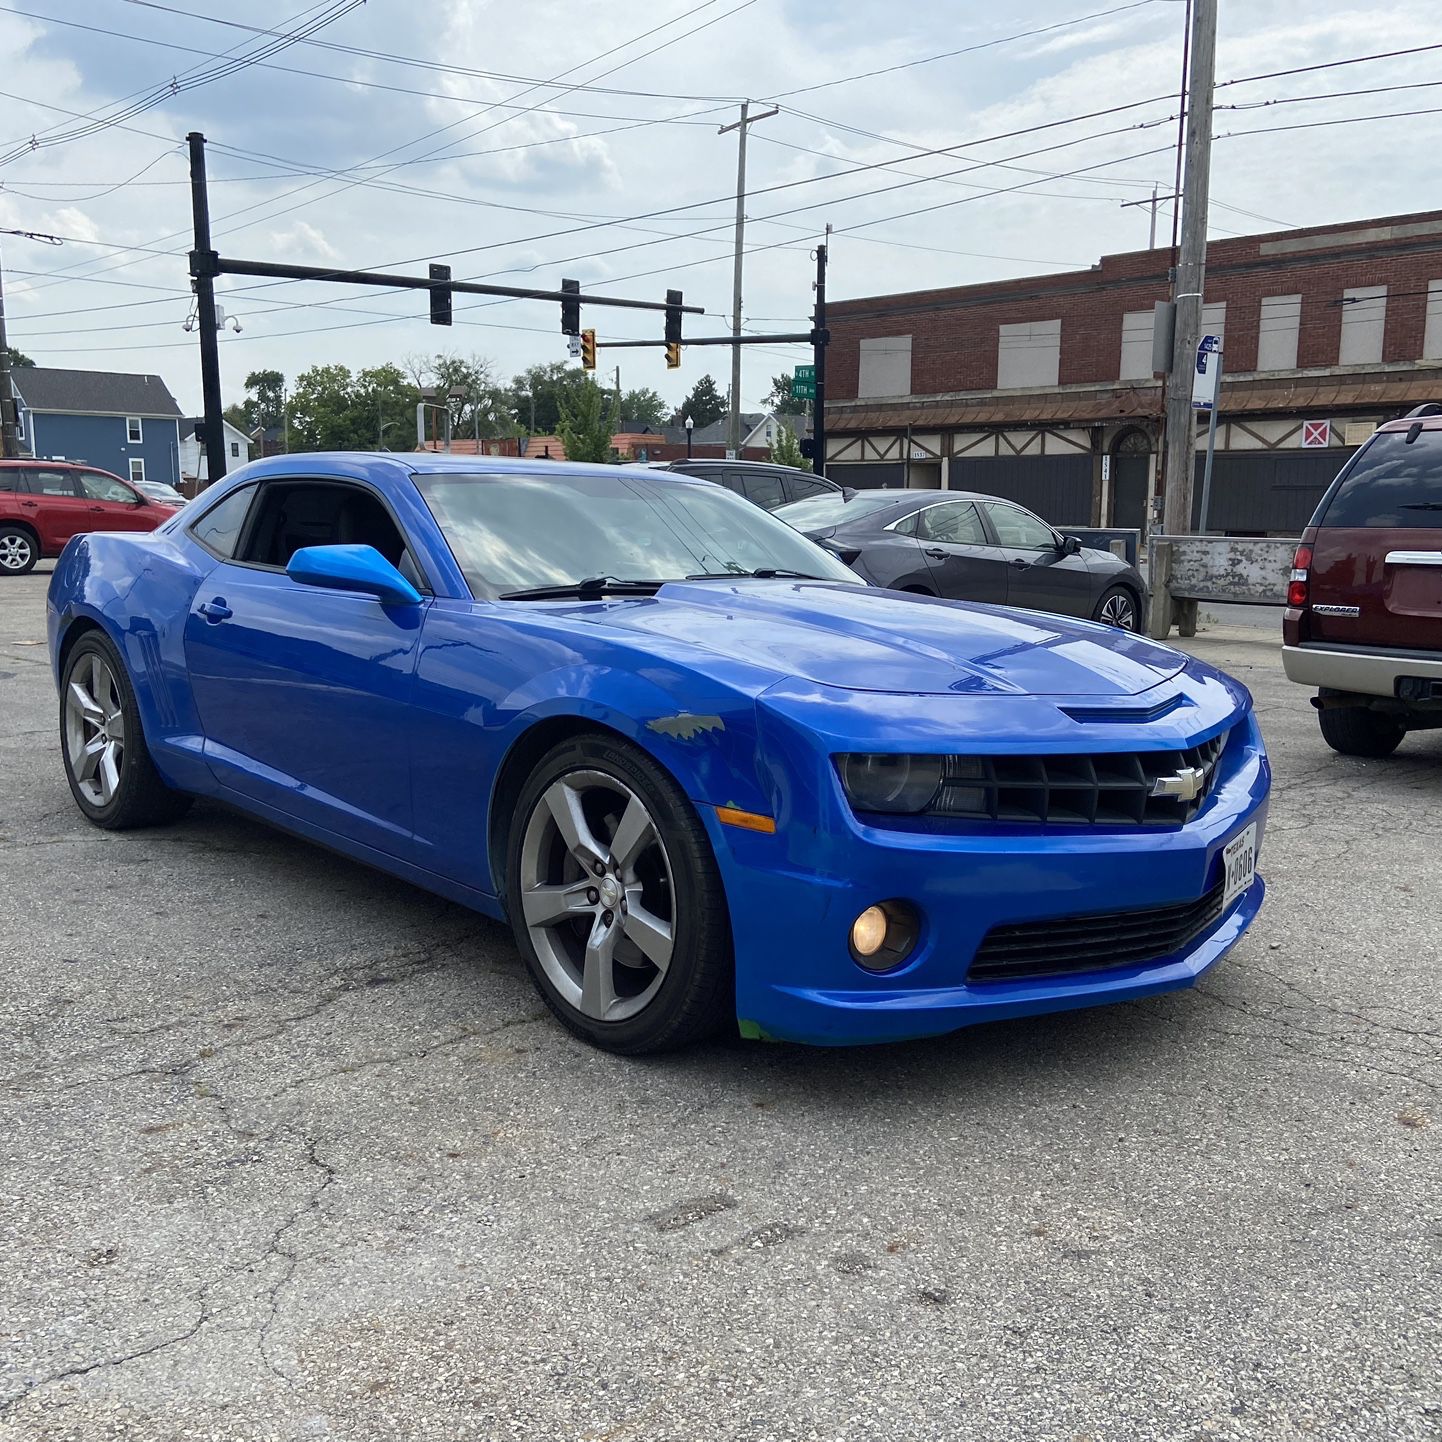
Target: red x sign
(1316,433)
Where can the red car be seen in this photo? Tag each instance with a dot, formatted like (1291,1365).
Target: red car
(1364,608)
(44,503)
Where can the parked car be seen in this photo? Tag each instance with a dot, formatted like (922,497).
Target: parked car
(44,503)
(971,547)
(709,776)
(1363,622)
(159,491)
(767,485)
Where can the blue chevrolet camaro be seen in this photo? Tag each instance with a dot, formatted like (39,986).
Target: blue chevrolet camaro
(708,775)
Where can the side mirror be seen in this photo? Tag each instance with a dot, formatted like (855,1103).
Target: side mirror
(1069,546)
(352,568)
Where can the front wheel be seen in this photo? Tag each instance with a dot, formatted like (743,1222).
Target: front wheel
(111,775)
(616,900)
(1356,731)
(1117,607)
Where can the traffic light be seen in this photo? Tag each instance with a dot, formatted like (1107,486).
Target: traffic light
(673,355)
(673,319)
(571,309)
(440,296)
(588,349)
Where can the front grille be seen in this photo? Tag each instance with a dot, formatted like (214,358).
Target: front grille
(1115,789)
(1094,942)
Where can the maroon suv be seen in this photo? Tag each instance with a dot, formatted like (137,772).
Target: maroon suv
(44,503)
(1364,607)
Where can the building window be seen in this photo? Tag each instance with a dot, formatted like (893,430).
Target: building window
(884,368)
(1137,345)
(132,429)
(1028,354)
(1277,329)
(1214,319)
(235,448)
(1364,315)
(1432,338)
(137,469)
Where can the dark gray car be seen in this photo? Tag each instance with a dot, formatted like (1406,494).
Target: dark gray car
(972,548)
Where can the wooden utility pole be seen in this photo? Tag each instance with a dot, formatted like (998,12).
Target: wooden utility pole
(1179,460)
(733,429)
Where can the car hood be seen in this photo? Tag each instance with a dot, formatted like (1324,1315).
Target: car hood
(862,638)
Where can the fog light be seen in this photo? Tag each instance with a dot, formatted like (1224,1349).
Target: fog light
(883,936)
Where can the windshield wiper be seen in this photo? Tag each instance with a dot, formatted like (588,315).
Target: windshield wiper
(761,573)
(591,586)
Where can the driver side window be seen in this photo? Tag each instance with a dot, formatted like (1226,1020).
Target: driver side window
(1020,529)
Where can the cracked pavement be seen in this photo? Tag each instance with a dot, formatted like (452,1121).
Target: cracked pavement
(289,1149)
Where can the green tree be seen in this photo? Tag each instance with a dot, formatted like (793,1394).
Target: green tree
(786,449)
(705,404)
(485,409)
(235,414)
(537,393)
(264,402)
(780,399)
(18,359)
(645,407)
(333,410)
(587,422)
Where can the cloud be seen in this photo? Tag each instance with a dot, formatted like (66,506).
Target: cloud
(301,243)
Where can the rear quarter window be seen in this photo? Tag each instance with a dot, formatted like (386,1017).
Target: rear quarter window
(1391,484)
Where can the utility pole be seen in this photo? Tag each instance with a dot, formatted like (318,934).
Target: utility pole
(818,357)
(733,429)
(203,270)
(1180,456)
(9,441)
(618,395)
(1152,202)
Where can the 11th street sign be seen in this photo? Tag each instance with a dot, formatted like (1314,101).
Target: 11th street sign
(803,383)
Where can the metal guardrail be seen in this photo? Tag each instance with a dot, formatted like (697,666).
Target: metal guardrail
(1184,570)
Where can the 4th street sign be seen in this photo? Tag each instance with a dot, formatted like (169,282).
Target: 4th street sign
(1209,365)
(803,383)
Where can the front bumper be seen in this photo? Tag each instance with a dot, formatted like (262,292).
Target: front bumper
(793,902)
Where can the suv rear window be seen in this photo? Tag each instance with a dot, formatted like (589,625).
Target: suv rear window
(1392,484)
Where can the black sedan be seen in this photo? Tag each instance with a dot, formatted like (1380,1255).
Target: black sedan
(971,548)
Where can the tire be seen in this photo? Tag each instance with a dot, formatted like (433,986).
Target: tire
(19,550)
(1356,731)
(112,778)
(1118,608)
(641,960)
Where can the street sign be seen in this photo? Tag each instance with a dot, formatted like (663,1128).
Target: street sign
(1316,433)
(1106,467)
(803,383)
(1204,380)
(573,345)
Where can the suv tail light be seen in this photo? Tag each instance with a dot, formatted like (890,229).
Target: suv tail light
(1297,584)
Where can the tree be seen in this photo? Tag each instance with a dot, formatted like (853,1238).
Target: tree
(587,422)
(645,407)
(264,403)
(536,395)
(704,404)
(485,410)
(780,399)
(235,414)
(786,449)
(18,359)
(333,410)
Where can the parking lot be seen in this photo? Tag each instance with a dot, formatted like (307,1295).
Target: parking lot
(291,1150)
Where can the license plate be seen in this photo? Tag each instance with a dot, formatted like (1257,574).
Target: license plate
(1239,864)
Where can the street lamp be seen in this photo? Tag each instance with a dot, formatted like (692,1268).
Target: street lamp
(690,426)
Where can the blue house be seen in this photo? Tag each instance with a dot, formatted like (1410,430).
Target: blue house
(126,424)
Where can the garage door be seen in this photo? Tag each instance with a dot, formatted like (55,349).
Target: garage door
(1057,488)
(1266,493)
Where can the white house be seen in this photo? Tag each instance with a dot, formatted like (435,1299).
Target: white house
(192,452)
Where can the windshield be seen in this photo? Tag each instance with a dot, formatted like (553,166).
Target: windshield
(159,491)
(822,511)
(519,532)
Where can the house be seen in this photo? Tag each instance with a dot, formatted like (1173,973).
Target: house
(126,424)
(1041,388)
(550,448)
(192,450)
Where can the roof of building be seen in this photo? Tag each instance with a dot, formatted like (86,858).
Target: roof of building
(104,393)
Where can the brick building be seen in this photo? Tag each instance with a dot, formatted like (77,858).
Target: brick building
(1041,388)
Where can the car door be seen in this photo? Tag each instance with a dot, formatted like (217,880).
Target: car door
(114,506)
(1041,575)
(761,488)
(805,488)
(304,693)
(56,506)
(964,563)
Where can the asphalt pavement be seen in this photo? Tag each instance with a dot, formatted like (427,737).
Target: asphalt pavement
(290,1150)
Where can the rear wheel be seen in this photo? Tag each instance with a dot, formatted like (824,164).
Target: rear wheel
(1117,607)
(1356,731)
(616,900)
(111,775)
(18,551)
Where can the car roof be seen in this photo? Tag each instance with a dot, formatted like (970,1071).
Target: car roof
(397,464)
(1405,423)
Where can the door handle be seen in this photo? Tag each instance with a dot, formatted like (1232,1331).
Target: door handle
(97,508)
(936,553)
(215,611)
(30,505)
(1020,564)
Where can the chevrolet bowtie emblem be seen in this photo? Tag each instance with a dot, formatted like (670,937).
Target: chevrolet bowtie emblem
(1184,785)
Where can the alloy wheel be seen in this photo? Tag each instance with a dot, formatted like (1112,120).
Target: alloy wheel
(597,895)
(16,552)
(95,729)
(1118,611)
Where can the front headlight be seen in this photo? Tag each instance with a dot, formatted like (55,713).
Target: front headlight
(897,784)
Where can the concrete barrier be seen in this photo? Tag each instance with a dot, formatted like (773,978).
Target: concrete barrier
(1185,570)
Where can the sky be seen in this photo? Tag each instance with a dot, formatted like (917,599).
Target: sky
(526,142)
